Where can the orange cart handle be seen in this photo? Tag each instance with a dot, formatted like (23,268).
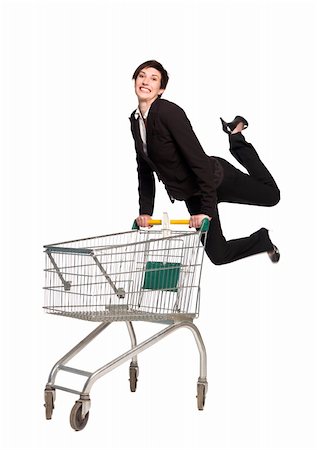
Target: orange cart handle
(204,225)
(172,222)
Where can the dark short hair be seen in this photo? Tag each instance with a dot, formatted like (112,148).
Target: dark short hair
(156,65)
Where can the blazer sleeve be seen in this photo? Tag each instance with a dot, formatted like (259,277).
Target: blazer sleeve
(181,130)
(146,187)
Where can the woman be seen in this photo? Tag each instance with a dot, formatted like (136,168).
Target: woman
(165,143)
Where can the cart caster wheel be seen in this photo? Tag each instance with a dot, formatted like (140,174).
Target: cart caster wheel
(201,396)
(133,378)
(77,422)
(49,396)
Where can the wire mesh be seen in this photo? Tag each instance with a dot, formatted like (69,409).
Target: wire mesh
(136,275)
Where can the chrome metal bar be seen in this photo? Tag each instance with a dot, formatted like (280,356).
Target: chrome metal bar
(66,284)
(202,351)
(118,291)
(133,340)
(62,388)
(84,373)
(75,350)
(75,251)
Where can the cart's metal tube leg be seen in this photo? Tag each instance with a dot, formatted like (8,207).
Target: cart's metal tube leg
(202,384)
(82,344)
(202,350)
(146,344)
(133,341)
(126,356)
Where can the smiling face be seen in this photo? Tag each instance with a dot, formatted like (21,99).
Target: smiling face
(148,85)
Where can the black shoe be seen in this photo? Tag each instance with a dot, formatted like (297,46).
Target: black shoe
(274,254)
(230,126)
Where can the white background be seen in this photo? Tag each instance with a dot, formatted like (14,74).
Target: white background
(68,171)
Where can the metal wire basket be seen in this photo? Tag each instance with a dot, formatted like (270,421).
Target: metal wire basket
(135,275)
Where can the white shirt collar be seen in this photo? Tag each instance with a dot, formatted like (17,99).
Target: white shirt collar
(138,114)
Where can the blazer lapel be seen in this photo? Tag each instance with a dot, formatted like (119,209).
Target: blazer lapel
(151,119)
(137,136)
(150,125)
(138,141)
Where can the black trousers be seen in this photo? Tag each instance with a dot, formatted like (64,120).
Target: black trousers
(256,188)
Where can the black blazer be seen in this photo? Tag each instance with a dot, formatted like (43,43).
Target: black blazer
(176,156)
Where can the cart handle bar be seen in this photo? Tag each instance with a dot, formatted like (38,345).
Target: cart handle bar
(204,224)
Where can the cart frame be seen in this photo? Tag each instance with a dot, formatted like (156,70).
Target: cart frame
(173,320)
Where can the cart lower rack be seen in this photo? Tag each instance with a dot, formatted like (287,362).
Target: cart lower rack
(140,275)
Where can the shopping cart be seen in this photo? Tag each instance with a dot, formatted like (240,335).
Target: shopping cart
(141,275)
